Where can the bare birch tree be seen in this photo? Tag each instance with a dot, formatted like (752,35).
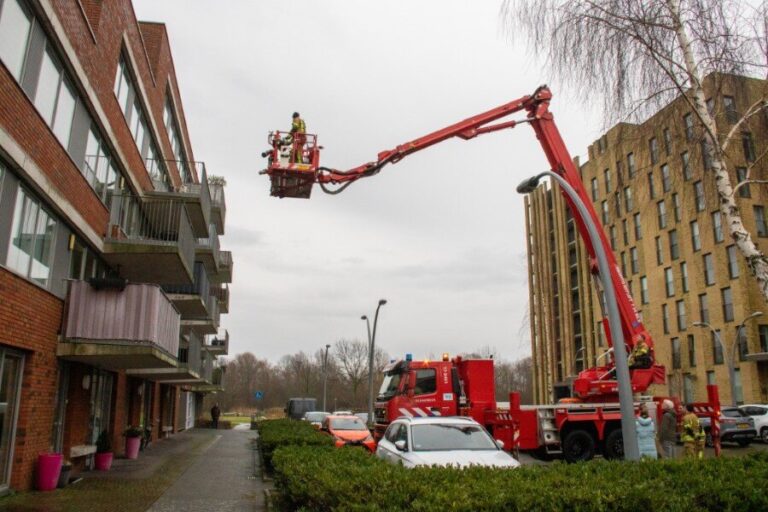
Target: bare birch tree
(636,56)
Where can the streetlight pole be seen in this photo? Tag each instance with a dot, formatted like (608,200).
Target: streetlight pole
(325,376)
(730,354)
(626,401)
(371,348)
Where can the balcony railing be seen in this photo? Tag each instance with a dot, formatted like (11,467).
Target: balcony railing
(219,205)
(219,344)
(221,292)
(104,322)
(190,356)
(200,284)
(154,228)
(224,274)
(209,247)
(206,369)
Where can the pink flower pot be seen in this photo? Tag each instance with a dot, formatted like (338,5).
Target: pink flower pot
(48,470)
(132,445)
(103,461)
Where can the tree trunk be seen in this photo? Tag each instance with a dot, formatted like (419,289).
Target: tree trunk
(756,260)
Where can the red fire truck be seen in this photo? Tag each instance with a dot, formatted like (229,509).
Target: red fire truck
(587,423)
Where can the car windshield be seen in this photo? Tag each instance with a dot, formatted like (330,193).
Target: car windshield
(315,416)
(442,437)
(733,413)
(390,385)
(347,424)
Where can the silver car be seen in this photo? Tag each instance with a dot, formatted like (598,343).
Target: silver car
(438,441)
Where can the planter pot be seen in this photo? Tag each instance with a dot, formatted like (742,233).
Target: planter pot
(66,471)
(103,461)
(132,445)
(48,470)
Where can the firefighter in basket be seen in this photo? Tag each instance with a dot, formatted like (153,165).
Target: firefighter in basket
(640,357)
(299,137)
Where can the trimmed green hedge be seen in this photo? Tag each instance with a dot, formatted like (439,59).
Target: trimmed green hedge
(312,478)
(276,433)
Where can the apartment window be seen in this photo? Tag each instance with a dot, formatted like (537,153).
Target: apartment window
(54,98)
(730,109)
(620,171)
(666,179)
(742,343)
(674,246)
(635,260)
(667,142)
(748,145)
(669,281)
(691,351)
(174,136)
(717,347)
(682,323)
(661,210)
(733,265)
(709,270)
(631,169)
(639,227)
(624,264)
(763,331)
(677,207)
(717,227)
(98,167)
(665,318)
(625,231)
(659,251)
(689,388)
(711,378)
(695,236)
(706,156)
(653,148)
(676,359)
(727,304)
(698,190)
(629,204)
(737,386)
(612,231)
(84,263)
(607,177)
(688,122)
(15,27)
(687,174)
(594,189)
(32,239)
(604,210)
(760,221)
(617,203)
(684,276)
(651,188)
(741,175)
(644,290)
(703,308)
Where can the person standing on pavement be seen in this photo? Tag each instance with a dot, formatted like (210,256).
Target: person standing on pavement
(692,434)
(668,430)
(646,433)
(215,413)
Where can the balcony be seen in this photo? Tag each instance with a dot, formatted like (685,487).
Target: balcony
(219,344)
(119,328)
(188,370)
(211,380)
(221,292)
(207,250)
(150,241)
(208,323)
(195,196)
(190,299)
(224,275)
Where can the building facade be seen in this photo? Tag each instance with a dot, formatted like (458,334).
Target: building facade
(649,185)
(112,281)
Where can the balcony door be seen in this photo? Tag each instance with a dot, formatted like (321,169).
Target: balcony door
(11,364)
(101,402)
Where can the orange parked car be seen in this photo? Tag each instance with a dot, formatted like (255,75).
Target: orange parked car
(349,430)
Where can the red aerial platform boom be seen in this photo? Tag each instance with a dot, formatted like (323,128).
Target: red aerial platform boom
(291,179)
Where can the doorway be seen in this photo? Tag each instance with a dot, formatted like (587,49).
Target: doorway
(11,365)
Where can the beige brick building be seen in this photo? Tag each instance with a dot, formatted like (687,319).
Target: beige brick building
(648,183)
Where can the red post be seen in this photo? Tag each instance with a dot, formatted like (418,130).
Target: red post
(713,397)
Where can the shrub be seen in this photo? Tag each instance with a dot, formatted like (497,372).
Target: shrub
(276,433)
(320,478)
(103,442)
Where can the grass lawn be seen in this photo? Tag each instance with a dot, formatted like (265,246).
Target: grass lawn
(106,494)
(235,420)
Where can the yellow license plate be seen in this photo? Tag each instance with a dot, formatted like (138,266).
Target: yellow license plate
(743,426)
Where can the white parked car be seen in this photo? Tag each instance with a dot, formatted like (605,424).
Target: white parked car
(315,417)
(759,413)
(441,441)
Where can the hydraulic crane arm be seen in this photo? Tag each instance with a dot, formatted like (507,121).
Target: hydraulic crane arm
(593,383)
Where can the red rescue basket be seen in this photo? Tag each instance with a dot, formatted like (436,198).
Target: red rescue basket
(292,163)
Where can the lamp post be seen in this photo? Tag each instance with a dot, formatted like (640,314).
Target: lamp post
(325,376)
(730,354)
(371,348)
(626,402)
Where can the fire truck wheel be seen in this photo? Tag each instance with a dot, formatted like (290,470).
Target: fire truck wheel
(614,445)
(578,446)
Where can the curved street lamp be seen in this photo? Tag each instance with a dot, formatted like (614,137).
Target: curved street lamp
(325,375)
(371,348)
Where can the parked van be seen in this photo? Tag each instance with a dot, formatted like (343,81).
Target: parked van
(296,407)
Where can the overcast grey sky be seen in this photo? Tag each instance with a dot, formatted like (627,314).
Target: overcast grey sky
(440,235)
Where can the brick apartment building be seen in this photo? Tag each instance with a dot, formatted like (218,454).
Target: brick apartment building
(660,212)
(111,277)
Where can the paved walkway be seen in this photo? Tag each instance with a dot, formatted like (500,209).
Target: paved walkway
(225,478)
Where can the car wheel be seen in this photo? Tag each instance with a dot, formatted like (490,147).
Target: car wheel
(743,442)
(578,446)
(764,434)
(614,445)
